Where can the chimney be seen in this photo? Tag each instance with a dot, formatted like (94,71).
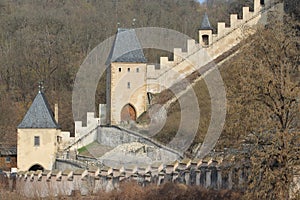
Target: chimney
(56,112)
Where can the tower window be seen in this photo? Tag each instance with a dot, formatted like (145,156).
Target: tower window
(36,140)
(128,85)
(205,40)
(128,69)
(120,69)
(137,70)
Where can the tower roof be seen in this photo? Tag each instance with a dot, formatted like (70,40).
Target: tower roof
(39,114)
(127,48)
(205,25)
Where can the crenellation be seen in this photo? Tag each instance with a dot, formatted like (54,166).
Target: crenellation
(195,163)
(234,21)
(184,164)
(192,47)
(68,174)
(177,55)
(246,14)
(213,173)
(171,167)
(257,6)
(221,29)
(39,175)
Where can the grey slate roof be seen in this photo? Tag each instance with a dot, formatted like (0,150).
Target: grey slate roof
(205,25)
(127,48)
(39,114)
(12,151)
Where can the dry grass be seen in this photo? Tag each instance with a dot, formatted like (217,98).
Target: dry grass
(132,191)
(200,88)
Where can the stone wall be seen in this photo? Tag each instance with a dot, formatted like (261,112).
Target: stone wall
(214,173)
(69,164)
(45,151)
(113,136)
(217,172)
(198,55)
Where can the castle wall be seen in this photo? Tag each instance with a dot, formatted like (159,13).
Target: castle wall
(115,136)
(198,55)
(69,164)
(211,172)
(44,154)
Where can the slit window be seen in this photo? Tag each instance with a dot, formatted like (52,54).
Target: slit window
(120,69)
(128,85)
(137,70)
(128,69)
(36,140)
(205,40)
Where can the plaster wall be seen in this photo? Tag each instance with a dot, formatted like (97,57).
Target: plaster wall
(128,86)
(44,154)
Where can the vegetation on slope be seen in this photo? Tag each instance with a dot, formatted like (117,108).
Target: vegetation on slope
(263,86)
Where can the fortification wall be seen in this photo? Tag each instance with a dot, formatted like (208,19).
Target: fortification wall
(113,136)
(69,164)
(84,135)
(211,172)
(197,55)
(215,173)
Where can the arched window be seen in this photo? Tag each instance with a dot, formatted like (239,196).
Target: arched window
(205,40)
(128,113)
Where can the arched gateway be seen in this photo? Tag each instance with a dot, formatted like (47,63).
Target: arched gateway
(128,113)
(36,167)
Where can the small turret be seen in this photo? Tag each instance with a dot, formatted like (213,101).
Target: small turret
(205,32)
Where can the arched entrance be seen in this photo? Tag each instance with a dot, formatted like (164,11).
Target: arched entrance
(128,113)
(36,167)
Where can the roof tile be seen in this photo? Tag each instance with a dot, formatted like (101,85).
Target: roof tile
(39,114)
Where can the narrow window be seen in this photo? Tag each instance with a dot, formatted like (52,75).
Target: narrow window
(120,69)
(205,40)
(137,70)
(128,69)
(36,140)
(128,85)
(7,159)
(59,139)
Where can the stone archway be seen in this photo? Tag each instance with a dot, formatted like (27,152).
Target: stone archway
(36,167)
(128,113)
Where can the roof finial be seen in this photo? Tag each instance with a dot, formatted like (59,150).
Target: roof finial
(41,86)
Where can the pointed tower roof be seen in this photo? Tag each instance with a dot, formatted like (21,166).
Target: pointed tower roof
(127,48)
(205,25)
(39,114)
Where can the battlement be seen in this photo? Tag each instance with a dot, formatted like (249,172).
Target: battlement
(209,45)
(209,172)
